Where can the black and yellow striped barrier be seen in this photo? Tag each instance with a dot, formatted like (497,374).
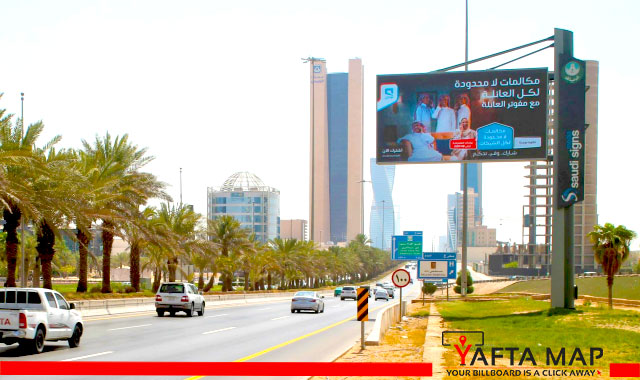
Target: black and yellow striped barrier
(363,304)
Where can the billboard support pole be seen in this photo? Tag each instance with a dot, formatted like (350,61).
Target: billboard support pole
(562,266)
(463,272)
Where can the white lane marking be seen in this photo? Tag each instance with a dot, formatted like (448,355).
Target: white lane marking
(216,316)
(129,327)
(268,308)
(275,319)
(219,330)
(88,356)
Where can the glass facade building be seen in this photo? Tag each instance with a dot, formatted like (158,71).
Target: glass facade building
(337,107)
(474,181)
(383,218)
(245,197)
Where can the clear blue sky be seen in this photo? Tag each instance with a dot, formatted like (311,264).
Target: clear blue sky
(218,87)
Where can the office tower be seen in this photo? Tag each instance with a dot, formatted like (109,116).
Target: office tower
(293,229)
(537,214)
(474,181)
(245,197)
(336,208)
(382,218)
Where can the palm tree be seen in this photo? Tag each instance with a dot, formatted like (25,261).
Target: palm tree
(113,169)
(18,171)
(611,248)
(230,238)
(180,221)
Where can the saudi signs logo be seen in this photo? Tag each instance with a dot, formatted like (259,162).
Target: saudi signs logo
(572,72)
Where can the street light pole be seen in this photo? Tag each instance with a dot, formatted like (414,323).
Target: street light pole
(23,281)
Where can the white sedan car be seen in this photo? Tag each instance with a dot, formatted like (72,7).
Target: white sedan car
(307,300)
(381,294)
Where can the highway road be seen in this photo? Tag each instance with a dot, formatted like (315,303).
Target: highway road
(259,332)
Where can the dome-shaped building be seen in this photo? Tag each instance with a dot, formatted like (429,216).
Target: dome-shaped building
(245,197)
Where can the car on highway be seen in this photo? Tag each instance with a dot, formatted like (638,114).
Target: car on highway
(348,292)
(31,316)
(307,300)
(390,290)
(179,296)
(337,291)
(381,294)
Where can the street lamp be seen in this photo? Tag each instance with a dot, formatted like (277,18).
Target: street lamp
(23,281)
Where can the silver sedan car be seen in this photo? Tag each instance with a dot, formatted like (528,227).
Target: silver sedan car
(307,300)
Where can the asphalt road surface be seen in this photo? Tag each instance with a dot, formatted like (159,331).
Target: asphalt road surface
(260,332)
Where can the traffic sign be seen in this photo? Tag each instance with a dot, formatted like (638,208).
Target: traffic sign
(437,269)
(406,247)
(414,233)
(400,278)
(362,311)
(439,255)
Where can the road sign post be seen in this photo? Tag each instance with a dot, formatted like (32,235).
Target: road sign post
(362,311)
(401,278)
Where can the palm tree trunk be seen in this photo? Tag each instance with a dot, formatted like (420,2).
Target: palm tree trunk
(12,221)
(83,249)
(46,240)
(134,265)
(210,283)
(201,279)
(156,279)
(610,286)
(269,280)
(107,244)
(36,273)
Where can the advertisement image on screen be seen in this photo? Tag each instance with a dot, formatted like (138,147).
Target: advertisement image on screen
(462,116)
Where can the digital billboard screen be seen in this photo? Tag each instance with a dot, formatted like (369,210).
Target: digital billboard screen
(497,115)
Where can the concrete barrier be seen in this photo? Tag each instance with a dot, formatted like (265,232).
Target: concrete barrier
(386,317)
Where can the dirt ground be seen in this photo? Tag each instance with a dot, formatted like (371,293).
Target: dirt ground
(403,342)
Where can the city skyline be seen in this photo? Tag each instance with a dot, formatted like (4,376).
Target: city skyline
(177,80)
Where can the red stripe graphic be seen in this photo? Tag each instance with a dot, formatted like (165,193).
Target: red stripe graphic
(213,369)
(624,369)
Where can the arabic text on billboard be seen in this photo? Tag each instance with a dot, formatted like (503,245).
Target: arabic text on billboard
(462,116)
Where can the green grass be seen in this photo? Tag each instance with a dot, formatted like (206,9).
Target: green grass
(623,287)
(537,326)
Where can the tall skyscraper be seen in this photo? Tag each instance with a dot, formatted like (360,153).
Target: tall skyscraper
(336,165)
(382,219)
(474,181)
(537,214)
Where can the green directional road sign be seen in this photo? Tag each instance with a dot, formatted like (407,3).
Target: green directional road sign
(406,247)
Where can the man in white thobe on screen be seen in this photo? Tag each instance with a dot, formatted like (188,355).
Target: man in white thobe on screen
(445,115)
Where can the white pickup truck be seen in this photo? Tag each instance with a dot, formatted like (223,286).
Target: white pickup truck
(31,316)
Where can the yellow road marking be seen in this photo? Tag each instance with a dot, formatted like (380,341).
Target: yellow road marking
(298,338)
(289,342)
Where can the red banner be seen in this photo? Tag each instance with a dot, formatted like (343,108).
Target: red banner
(463,144)
(624,370)
(46,368)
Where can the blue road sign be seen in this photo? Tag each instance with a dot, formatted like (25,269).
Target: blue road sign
(408,233)
(438,255)
(406,247)
(437,269)
(435,279)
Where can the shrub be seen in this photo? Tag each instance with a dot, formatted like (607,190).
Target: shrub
(513,264)
(458,287)
(429,288)
(129,289)
(95,289)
